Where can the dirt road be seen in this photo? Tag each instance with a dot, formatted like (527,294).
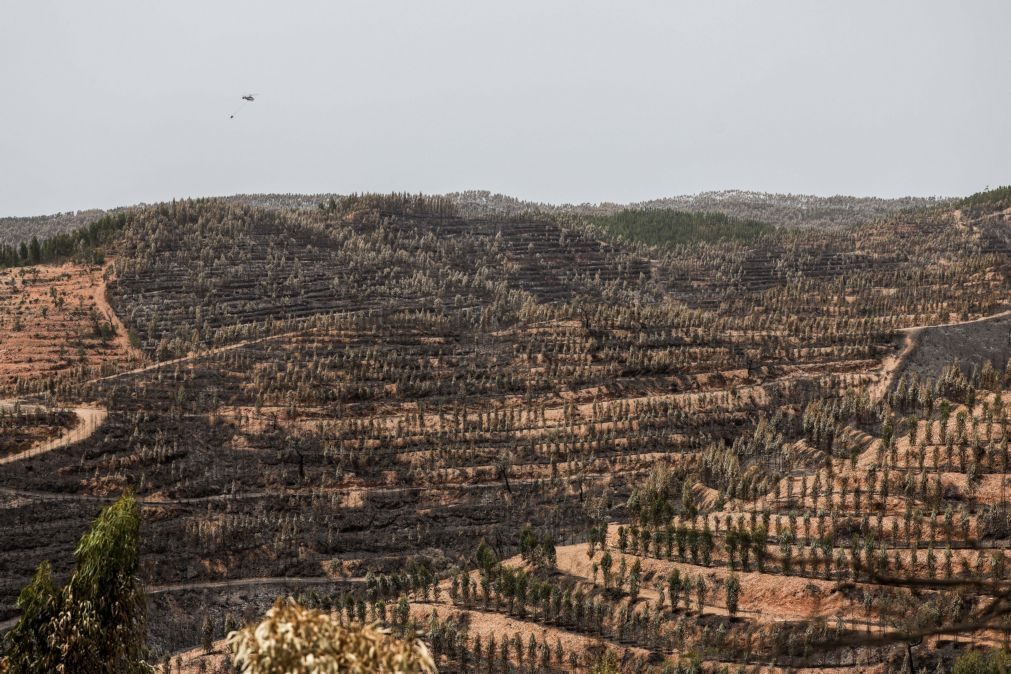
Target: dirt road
(893,364)
(92,417)
(88,421)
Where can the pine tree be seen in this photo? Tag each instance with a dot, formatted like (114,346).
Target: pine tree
(733,593)
(634,579)
(700,593)
(207,634)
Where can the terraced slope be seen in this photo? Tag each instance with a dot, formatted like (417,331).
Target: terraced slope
(363,395)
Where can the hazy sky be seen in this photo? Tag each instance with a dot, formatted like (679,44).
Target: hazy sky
(110,103)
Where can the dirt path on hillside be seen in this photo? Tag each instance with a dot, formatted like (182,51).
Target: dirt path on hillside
(89,419)
(352,492)
(192,356)
(251,582)
(892,365)
(101,300)
(780,601)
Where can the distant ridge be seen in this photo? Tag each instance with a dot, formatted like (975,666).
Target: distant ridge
(784,210)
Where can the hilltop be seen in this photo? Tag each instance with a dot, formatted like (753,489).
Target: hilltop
(786,210)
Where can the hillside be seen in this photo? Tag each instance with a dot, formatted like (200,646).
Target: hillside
(343,402)
(13,231)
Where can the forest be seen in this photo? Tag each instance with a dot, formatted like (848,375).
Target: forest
(645,440)
(664,227)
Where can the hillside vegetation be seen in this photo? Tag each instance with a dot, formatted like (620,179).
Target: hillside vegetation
(662,227)
(14,231)
(992,200)
(783,210)
(542,446)
(797,211)
(83,245)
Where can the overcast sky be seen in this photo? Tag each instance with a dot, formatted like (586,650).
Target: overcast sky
(111,103)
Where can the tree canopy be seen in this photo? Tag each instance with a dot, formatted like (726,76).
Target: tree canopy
(296,640)
(664,227)
(94,623)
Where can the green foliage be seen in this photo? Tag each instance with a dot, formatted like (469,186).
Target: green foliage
(486,558)
(393,203)
(94,623)
(656,500)
(733,593)
(103,330)
(607,663)
(634,579)
(663,227)
(26,644)
(606,562)
(83,245)
(537,547)
(978,662)
(997,197)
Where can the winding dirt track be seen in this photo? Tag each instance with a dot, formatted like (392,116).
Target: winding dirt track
(250,582)
(193,356)
(892,365)
(88,421)
(93,417)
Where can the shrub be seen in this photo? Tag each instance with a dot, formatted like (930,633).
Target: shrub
(978,662)
(296,640)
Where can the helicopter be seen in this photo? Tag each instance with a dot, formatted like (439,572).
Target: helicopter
(248,98)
